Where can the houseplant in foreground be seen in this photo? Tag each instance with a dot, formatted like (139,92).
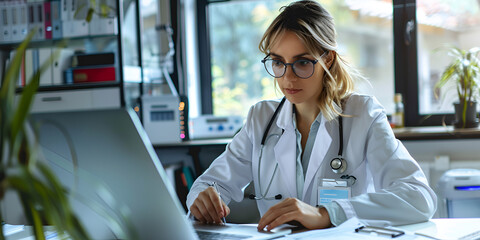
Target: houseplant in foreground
(464,71)
(43,199)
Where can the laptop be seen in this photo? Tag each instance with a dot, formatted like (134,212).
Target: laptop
(118,172)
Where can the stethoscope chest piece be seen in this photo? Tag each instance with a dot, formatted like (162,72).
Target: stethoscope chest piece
(338,165)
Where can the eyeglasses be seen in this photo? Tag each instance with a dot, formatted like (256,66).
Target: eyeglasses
(303,68)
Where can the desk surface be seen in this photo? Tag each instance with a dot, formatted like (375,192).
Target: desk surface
(446,228)
(441,228)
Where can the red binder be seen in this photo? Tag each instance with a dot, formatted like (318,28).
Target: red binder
(98,74)
(48,20)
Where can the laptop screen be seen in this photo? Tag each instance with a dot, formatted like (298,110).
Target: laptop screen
(114,154)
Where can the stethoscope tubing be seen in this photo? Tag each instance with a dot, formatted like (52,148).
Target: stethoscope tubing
(263,195)
(340,170)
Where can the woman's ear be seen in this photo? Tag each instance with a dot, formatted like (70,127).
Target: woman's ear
(330,58)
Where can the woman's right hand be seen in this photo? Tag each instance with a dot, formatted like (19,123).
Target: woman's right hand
(208,207)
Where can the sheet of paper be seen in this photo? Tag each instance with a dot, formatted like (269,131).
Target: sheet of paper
(9,229)
(344,231)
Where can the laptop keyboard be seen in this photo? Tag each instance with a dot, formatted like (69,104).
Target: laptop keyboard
(203,235)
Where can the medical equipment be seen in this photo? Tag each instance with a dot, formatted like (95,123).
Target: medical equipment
(161,108)
(209,126)
(460,188)
(338,165)
(161,118)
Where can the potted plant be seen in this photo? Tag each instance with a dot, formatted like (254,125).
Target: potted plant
(464,70)
(44,200)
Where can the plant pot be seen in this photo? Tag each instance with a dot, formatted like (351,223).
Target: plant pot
(471,119)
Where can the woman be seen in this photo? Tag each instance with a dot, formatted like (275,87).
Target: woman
(322,138)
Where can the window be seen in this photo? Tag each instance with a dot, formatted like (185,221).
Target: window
(238,78)
(372,35)
(440,24)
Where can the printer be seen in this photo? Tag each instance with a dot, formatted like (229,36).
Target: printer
(460,191)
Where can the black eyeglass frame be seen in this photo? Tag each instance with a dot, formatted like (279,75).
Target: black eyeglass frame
(287,64)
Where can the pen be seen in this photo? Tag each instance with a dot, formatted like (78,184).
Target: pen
(218,192)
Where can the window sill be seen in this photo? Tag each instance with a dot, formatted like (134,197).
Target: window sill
(435,133)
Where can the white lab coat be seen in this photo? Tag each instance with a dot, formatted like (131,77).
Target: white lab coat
(390,187)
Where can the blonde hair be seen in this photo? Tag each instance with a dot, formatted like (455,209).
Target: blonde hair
(315,27)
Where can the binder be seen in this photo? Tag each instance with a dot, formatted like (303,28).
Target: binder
(35,19)
(15,18)
(47,20)
(56,16)
(78,13)
(90,74)
(6,28)
(39,17)
(92,59)
(67,10)
(28,65)
(20,26)
(61,64)
(31,17)
(7,63)
(43,57)
(104,25)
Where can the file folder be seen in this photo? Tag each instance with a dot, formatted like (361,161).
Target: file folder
(61,64)
(47,20)
(5,24)
(19,21)
(39,18)
(78,14)
(44,56)
(56,11)
(104,24)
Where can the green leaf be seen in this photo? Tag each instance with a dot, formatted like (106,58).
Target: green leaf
(79,10)
(90,13)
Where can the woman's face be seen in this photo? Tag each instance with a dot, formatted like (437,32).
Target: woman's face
(289,48)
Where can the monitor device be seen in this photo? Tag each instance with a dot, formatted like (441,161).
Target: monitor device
(114,154)
(118,170)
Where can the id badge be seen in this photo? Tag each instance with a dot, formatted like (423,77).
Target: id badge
(332,189)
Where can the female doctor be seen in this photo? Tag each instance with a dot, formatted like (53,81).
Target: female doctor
(322,154)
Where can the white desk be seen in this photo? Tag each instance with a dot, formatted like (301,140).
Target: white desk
(446,228)
(443,228)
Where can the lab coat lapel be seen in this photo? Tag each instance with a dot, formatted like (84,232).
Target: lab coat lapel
(285,151)
(323,140)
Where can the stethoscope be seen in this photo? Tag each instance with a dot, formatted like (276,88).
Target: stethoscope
(338,164)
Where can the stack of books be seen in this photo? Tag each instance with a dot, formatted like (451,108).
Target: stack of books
(93,67)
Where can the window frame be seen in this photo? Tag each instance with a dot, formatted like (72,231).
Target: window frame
(405,63)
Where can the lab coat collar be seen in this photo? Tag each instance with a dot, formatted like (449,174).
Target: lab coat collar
(323,140)
(284,119)
(285,152)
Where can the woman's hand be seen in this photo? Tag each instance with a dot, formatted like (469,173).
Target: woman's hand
(292,209)
(208,207)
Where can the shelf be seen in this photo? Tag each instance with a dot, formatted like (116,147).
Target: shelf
(404,134)
(435,133)
(74,86)
(53,42)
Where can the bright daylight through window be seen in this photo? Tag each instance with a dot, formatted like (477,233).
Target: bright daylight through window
(442,23)
(239,78)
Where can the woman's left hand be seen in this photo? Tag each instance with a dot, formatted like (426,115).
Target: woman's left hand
(292,209)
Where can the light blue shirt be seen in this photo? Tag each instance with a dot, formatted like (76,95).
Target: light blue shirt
(336,213)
